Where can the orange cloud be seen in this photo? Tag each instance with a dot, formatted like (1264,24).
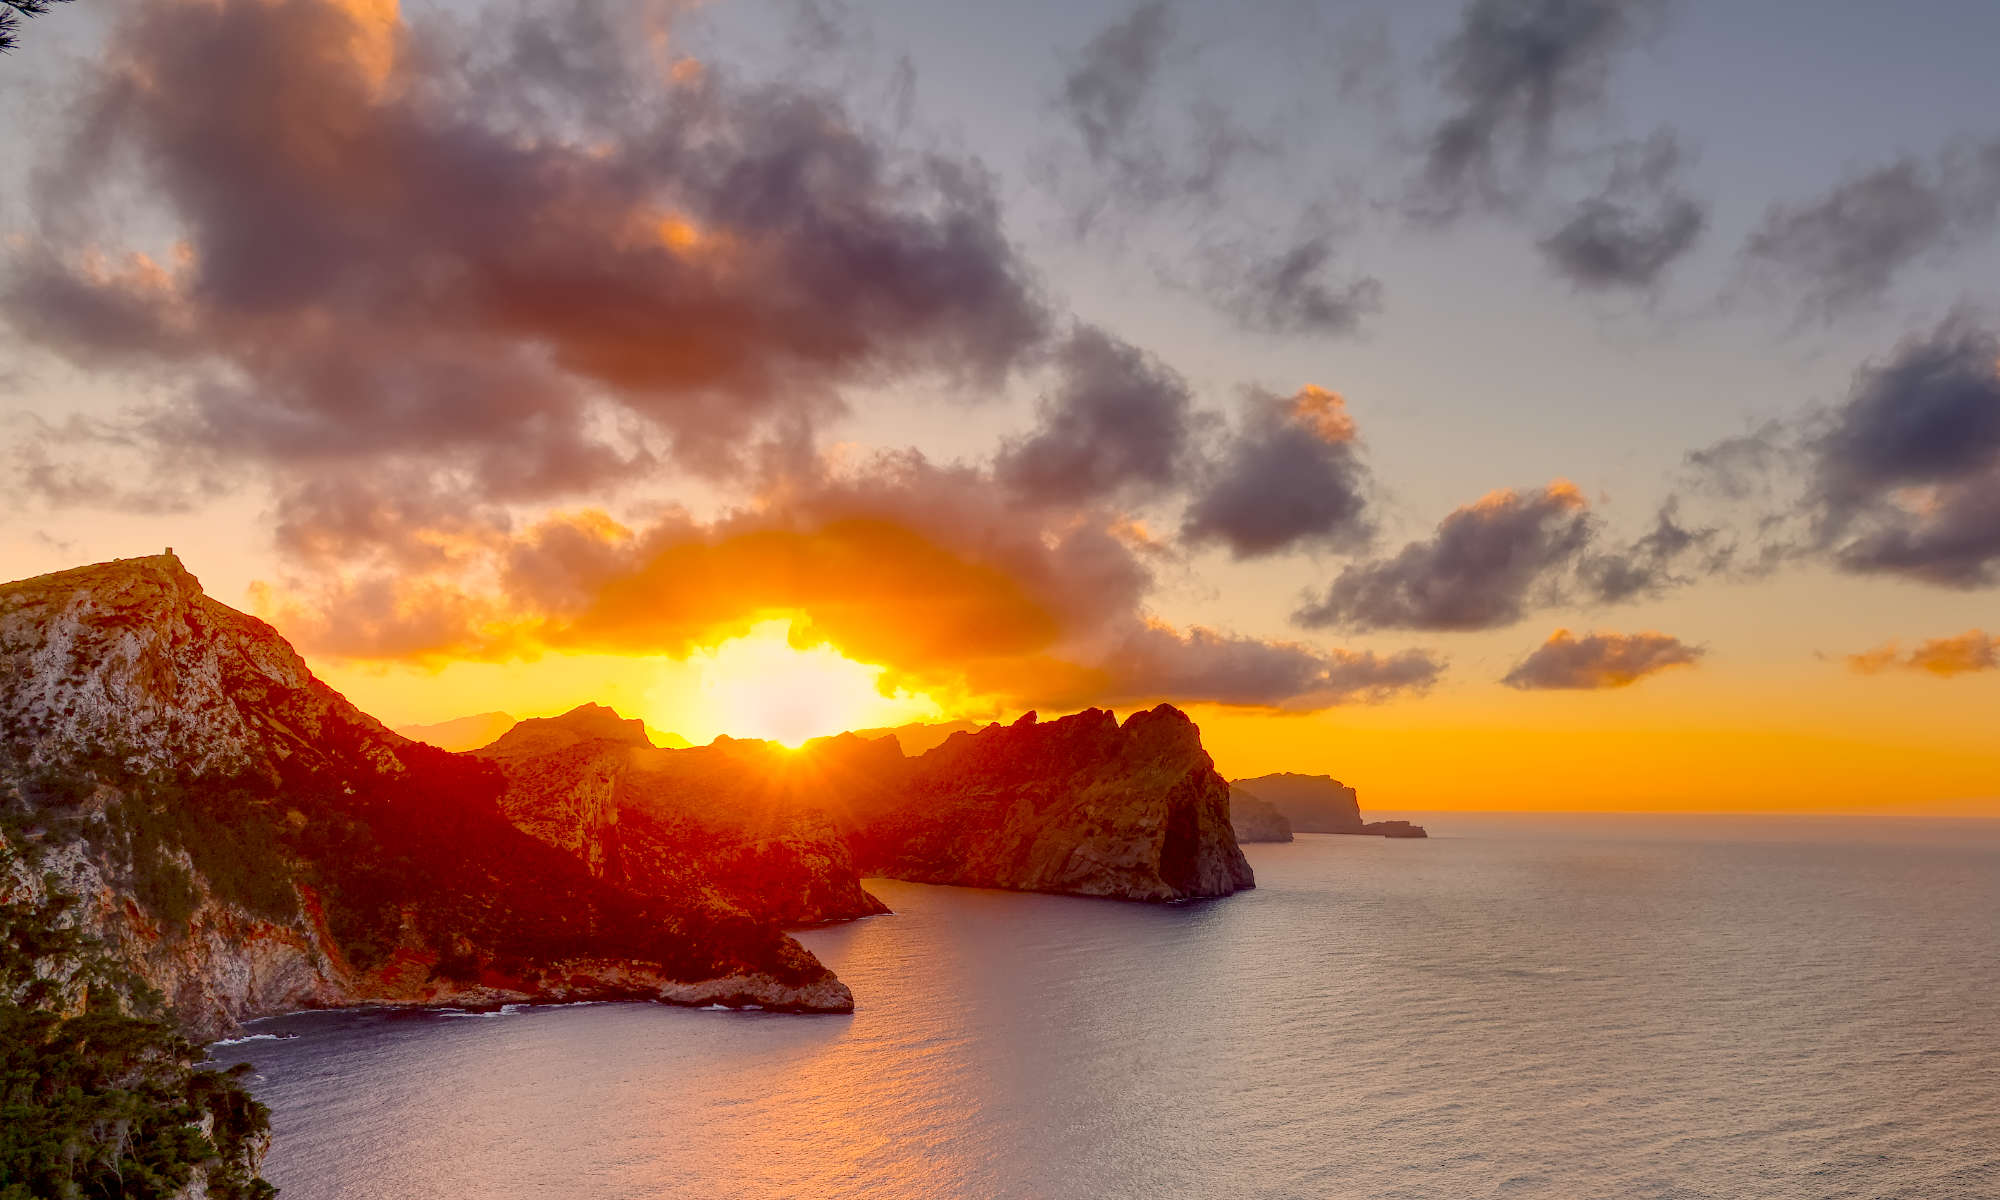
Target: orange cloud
(1973,650)
(1324,413)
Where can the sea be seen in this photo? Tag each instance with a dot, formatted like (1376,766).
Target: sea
(1519,1006)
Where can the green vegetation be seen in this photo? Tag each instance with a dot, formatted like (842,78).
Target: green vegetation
(96,1101)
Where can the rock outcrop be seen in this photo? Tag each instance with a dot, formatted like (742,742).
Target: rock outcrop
(1318,804)
(1255,819)
(1312,803)
(745,826)
(243,839)
(1080,805)
(1394,829)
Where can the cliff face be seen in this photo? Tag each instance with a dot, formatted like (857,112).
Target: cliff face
(745,826)
(1256,820)
(243,839)
(1312,803)
(1079,805)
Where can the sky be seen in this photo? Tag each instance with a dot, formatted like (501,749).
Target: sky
(1576,404)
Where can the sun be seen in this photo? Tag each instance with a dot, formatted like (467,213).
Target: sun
(761,686)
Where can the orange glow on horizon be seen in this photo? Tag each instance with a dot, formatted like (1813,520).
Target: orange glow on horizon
(762,685)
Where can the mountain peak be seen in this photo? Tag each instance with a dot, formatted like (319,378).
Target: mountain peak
(585,723)
(130,657)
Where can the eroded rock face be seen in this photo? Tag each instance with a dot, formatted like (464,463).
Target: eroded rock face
(1256,820)
(744,825)
(246,841)
(1080,805)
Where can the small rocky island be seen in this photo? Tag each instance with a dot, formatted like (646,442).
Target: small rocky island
(1270,807)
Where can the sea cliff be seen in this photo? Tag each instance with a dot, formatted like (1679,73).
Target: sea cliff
(1081,805)
(243,840)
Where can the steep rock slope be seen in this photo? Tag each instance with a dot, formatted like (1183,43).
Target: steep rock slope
(244,840)
(743,826)
(1080,805)
(1255,819)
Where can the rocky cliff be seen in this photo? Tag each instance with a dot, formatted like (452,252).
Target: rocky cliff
(1081,805)
(745,826)
(246,841)
(1312,803)
(1318,804)
(1255,819)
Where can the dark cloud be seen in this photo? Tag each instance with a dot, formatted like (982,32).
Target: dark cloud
(1742,467)
(1964,654)
(1906,476)
(1104,94)
(1290,477)
(1139,155)
(1654,561)
(1119,420)
(1844,250)
(1632,230)
(1485,567)
(1599,660)
(1293,291)
(531,269)
(1517,70)
(1203,665)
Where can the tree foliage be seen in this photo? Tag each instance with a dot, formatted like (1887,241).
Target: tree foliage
(96,1101)
(11,12)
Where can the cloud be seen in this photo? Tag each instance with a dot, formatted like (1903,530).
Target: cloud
(1844,250)
(1293,291)
(1487,564)
(1632,230)
(1104,93)
(521,269)
(1491,562)
(1653,563)
(1516,71)
(1291,476)
(1968,652)
(1906,475)
(1119,420)
(1599,660)
(930,571)
(1137,156)
(1217,668)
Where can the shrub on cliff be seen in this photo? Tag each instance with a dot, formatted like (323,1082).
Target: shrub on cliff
(102,1102)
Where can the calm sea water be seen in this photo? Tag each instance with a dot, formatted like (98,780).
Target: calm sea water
(1564,1007)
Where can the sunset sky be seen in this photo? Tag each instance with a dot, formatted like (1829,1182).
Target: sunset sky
(1496,404)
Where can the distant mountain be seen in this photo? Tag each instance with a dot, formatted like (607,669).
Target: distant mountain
(460,733)
(240,837)
(483,729)
(1311,804)
(918,738)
